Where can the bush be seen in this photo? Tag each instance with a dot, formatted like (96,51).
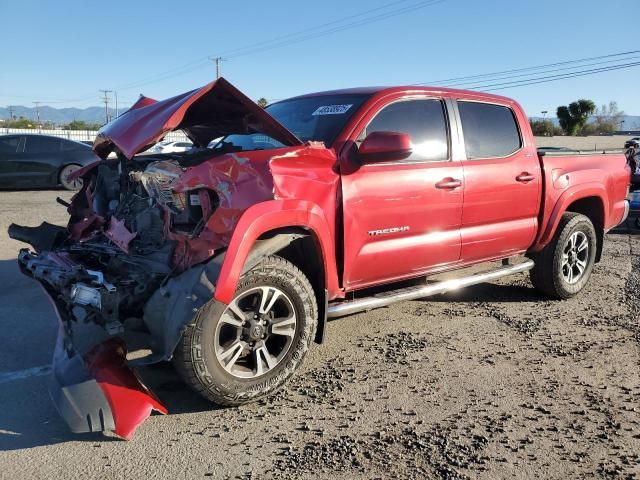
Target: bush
(544,128)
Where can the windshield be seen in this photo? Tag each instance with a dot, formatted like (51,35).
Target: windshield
(318,118)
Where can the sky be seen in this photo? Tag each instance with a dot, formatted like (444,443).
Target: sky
(63,53)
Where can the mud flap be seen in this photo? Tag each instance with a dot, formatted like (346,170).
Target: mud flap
(98,392)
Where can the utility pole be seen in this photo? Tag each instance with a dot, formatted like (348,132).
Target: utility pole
(11,117)
(106,104)
(115,96)
(217,61)
(37,104)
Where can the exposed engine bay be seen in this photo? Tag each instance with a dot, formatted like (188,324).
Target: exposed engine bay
(126,237)
(145,245)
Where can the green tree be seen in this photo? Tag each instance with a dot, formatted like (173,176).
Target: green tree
(262,102)
(574,117)
(81,125)
(21,122)
(544,128)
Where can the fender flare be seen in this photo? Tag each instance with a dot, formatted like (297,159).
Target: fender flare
(264,217)
(572,194)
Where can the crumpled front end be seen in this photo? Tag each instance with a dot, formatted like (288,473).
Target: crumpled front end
(140,255)
(147,238)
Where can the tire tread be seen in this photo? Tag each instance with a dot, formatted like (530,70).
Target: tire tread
(190,364)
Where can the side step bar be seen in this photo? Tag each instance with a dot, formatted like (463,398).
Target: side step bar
(421,291)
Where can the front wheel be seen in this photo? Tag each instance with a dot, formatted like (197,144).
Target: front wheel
(563,267)
(237,353)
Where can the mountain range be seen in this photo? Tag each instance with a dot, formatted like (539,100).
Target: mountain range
(61,116)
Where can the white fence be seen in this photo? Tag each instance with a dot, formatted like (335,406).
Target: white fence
(77,135)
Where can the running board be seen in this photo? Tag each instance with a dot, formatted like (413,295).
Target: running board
(421,291)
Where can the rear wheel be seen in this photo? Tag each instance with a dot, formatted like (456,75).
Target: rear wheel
(237,353)
(563,267)
(64,180)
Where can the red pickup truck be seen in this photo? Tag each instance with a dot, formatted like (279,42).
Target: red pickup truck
(229,258)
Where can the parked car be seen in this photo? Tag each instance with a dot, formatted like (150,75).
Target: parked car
(41,161)
(632,143)
(229,260)
(171,147)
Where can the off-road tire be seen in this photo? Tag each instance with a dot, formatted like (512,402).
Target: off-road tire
(195,359)
(546,275)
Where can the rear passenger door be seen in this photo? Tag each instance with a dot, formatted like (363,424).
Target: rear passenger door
(501,182)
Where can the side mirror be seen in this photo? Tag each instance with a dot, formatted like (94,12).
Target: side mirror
(384,146)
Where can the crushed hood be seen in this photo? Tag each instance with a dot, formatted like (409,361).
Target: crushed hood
(213,111)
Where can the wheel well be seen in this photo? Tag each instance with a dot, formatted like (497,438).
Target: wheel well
(593,209)
(306,254)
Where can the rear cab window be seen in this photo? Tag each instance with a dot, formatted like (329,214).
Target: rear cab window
(489,130)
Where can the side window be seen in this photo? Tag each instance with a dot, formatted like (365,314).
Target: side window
(423,120)
(489,130)
(40,144)
(69,146)
(9,144)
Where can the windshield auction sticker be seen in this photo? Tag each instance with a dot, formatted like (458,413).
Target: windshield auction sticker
(332,109)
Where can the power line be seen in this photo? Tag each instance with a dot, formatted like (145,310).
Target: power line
(307,30)
(506,77)
(551,78)
(307,34)
(537,67)
(363,18)
(291,39)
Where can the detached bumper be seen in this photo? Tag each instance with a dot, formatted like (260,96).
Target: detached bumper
(98,392)
(92,388)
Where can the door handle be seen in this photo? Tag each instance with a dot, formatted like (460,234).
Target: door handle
(448,183)
(525,177)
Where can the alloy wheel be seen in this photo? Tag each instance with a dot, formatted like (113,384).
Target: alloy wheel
(575,257)
(255,332)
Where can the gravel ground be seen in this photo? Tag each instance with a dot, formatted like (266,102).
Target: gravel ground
(492,382)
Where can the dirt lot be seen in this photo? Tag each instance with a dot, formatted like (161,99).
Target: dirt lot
(493,382)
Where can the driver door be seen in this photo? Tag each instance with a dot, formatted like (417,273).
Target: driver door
(402,218)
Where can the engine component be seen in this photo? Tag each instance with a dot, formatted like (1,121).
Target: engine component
(82,294)
(157,179)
